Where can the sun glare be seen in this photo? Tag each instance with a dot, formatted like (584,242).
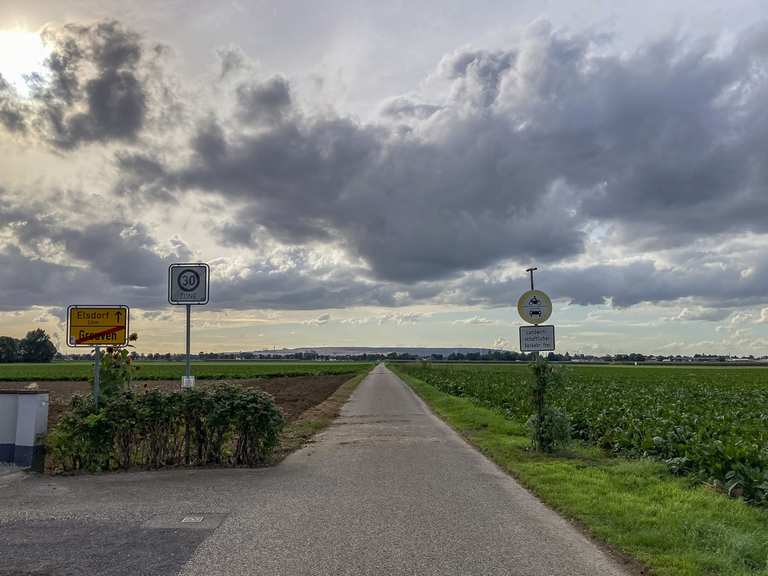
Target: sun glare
(21,54)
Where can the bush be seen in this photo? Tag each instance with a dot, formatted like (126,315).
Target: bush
(553,432)
(549,426)
(116,369)
(224,425)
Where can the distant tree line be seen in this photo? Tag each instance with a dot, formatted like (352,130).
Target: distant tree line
(483,356)
(36,346)
(234,356)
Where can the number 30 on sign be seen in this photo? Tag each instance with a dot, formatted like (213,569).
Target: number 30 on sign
(188,284)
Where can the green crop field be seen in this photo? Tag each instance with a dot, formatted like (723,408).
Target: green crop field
(174,370)
(710,423)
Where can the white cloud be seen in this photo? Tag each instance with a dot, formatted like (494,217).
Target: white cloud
(700,313)
(475,320)
(321,320)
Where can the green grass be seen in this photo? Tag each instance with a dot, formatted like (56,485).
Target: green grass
(174,370)
(711,423)
(669,524)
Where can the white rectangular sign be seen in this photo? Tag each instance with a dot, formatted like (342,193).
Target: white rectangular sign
(188,284)
(537,338)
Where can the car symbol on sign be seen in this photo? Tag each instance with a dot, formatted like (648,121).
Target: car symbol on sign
(534,313)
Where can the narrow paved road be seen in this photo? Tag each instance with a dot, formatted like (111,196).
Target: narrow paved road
(390,489)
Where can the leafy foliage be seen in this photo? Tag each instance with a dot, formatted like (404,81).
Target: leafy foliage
(224,425)
(550,431)
(116,369)
(9,349)
(36,346)
(550,427)
(710,423)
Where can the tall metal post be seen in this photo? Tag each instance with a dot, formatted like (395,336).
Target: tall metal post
(189,322)
(96,375)
(531,271)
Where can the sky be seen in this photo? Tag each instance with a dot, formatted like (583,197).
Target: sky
(382,173)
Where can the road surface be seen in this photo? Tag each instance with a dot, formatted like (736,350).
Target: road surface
(388,489)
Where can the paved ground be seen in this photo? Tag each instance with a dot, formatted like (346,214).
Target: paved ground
(388,489)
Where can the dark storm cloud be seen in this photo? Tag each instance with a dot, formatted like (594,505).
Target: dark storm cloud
(403,108)
(113,261)
(264,287)
(529,147)
(122,255)
(627,285)
(96,92)
(142,177)
(12,113)
(527,152)
(266,101)
(98,87)
(28,282)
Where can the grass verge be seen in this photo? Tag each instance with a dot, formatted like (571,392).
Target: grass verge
(300,431)
(634,506)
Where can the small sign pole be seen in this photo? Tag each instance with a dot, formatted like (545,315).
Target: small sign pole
(189,322)
(188,286)
(531,271)
(96,375)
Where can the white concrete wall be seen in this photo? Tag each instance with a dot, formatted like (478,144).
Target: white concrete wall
(31,418)
(23,419)
(8,409)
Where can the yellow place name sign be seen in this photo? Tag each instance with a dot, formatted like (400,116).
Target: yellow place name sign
(97,325)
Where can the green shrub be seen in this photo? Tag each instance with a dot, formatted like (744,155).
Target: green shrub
(224,425)
(550,427)
(553,432)
(83,437)
(116,369)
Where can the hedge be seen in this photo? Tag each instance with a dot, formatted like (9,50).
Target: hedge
(224,425)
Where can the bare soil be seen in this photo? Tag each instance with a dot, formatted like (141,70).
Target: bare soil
(293,394)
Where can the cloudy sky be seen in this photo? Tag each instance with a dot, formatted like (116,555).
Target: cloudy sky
(382,173)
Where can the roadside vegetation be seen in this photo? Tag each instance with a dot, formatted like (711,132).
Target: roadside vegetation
(221,424)
(616,489)
(225,425)
(707,423)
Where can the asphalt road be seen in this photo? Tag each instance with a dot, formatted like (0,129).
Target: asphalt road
(388,489)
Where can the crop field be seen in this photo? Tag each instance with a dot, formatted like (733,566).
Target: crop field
(154,370)
(711,423)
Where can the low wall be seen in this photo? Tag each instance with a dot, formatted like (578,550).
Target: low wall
(23,421)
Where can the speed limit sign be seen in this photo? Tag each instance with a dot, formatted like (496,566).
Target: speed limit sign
(188,284)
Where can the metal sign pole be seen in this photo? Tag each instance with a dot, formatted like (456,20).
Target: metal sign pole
(96,375)
(188,286)
(531,271)
(189,366)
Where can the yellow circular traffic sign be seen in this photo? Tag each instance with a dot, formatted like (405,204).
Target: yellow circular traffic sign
(534,306)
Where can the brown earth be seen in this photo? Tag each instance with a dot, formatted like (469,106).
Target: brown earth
(293,394)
